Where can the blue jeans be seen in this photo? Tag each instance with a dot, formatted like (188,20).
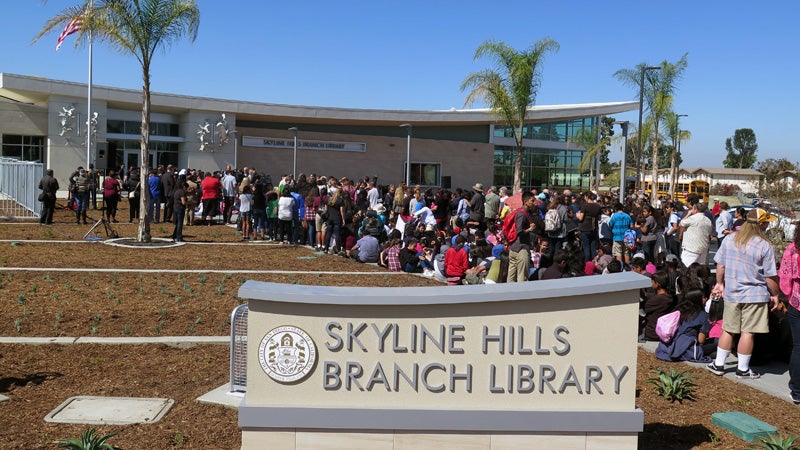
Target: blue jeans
(260,220)
(155,204)
(312,233)
(794,361)
(589,244)
(178,217)
(82,201)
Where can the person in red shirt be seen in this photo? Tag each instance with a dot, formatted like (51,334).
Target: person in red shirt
(212,190)
(456,261)
(716,209)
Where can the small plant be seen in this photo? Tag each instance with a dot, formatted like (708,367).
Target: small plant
(18,325)
(47,278)
(95,324)
(778,442)
(673,385)
(202,279)
(34,288)
(88,440)
(22,300)
(127,330)
(714,439)
(178,439)
(48,233)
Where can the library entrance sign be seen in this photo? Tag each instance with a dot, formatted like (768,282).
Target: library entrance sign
(423,366)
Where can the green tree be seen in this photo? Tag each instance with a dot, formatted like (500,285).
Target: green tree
(675,159)
(137,28)
(509,89)
(741,149)
(658,92)
(771,167)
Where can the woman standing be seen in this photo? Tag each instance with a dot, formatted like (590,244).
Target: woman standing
(789,275)
(111,190)
(285,209)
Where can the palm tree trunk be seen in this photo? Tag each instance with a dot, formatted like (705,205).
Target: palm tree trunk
(144,221)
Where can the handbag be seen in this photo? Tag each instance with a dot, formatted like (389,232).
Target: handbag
(42,196)
(667,325)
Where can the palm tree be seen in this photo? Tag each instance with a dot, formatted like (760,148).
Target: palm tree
(676,136)
(510,88)
(658,93)
(138,28)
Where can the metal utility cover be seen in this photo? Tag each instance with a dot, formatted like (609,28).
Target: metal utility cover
(94,410)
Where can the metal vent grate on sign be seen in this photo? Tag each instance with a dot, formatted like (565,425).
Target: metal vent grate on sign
(239,349)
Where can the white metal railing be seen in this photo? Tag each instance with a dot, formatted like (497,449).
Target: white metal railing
(19,188)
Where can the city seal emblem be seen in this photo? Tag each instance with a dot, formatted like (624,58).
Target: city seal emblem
(287,354)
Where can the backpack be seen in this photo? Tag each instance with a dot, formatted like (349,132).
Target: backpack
(510,225)
(667,325)
(630,240)
(552,220)
(605,230)
(372,225)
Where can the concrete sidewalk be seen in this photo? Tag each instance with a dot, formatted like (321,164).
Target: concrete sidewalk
(774,376)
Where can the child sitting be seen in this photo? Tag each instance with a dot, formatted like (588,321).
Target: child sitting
(687,344)
(655,306)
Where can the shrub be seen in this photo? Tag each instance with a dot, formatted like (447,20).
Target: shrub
(673,385)
(778,442)
(88,441)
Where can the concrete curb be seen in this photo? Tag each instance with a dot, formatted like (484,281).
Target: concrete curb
(177,341)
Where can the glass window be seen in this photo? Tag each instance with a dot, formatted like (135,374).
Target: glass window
(115,126)
(425,174)
(25,148)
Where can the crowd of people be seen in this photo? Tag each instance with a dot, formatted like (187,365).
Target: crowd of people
(481,236)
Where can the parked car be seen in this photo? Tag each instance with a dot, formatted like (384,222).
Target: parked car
(783,227)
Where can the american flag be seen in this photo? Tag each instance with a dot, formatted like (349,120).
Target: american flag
(73,26)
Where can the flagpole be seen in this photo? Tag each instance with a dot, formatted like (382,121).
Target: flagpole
(89,103)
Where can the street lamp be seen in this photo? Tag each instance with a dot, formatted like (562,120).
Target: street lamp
(624,125)
(408,153)
(235,134)
(640,151)
(294,157)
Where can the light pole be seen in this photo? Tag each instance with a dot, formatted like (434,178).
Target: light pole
(624,126)
(408,153)
(640,150)
(235,134)
(294,157)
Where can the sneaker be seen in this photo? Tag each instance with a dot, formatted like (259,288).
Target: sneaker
(715,369)
(427,273)
(748,374)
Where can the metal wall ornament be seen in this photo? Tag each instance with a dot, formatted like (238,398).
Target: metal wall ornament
(221,131)
(205,136)
(67,118)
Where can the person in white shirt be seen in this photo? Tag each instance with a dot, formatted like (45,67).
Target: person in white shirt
(373,196)
(696,231)
(229,193)
(426,217)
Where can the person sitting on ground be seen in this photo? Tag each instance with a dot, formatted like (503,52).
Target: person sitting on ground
(456,261)
(602,258)
(687,343)
(413,260)
(655,306)
(366,249)
(558,269)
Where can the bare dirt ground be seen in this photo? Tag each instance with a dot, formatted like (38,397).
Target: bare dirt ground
(144,299)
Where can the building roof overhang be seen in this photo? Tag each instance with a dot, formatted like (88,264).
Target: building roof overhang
(37,91)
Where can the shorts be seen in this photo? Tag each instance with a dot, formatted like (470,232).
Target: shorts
(745,318)
(620,249)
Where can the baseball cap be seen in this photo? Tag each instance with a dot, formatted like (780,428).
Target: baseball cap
(758,215)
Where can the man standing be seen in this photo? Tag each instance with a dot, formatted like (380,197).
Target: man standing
(179,201)
(229,193)
(620,222)
(154,184)
(491,205)
(747,280)
(519,251)
(168,190)
(211,189)
(696,229)
(49,187)
(588,218)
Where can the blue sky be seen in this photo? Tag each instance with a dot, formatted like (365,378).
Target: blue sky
(742,57)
